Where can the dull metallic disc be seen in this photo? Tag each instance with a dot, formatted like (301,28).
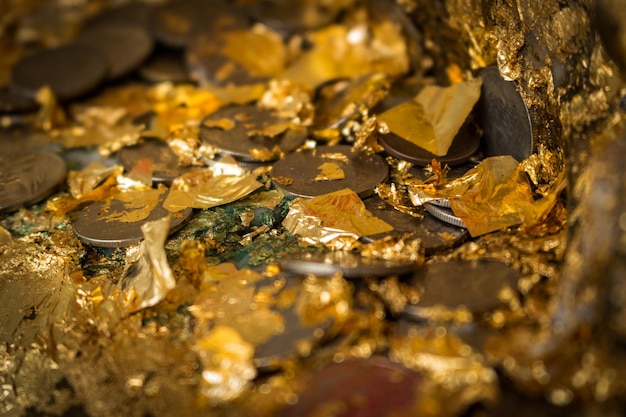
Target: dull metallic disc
(503,117)
(473,284)
(369,387)
(133,13)
(288,16)
(164,65)
(434,234)
(463,147)
(444,214)
(165,165)
(28,177)
(124,47)
(97,224)
(175,23)
(241,131)
(350,264)
(296,173)
(70,71)
(283,346)
(12,101)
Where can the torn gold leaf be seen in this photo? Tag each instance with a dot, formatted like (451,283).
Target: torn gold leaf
(330,171)
(332,216)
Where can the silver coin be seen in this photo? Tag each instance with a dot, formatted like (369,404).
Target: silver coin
(444,214)
(362,172)
(93,227)
(28,177)
(504,118)
(351,265)
(475,285)
(237,140)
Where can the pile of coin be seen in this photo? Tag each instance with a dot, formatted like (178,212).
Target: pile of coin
(277,145)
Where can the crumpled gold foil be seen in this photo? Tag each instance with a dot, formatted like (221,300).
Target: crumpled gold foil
(138,204)
(433,118)
(457,377)
(289,101)
(80,183)
(361,46)
(402,248)
(202,189)
(227,366)
(331,216)
(147,277)
(494,195)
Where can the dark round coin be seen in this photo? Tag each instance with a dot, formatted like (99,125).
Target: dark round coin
(350,264)
(165,65)
(270,354)
(133,14)
(165,165)
(296,174)
(243,130)
(503,117)
(473,284)
(12,101)
(70,71)
(175,23)
(93,227)
(444,214)
(28,177)
(463,147)
(124,47)
(434,234)
(288,16)
(369,387)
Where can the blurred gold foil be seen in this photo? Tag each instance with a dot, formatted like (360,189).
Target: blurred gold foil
(82,182)
(331,216)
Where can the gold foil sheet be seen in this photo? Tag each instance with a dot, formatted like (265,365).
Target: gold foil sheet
(458,377)
(138,204)
(202,189)
(147,276)
(433,118)
(331,216)
(82,182)
(330,171)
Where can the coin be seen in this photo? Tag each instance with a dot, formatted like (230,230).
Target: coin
(444,214)
(434,234)
(350,264)
(288,16)
(70,71)
(369,387)
(463,147)
(28,177)
(176,23)
(12,101)
(503,117)
(164,65)
(242,131)
(270,354)
(165,165)
(474,284)
(133,14)
(362,172)
(124,47)
(93,227)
